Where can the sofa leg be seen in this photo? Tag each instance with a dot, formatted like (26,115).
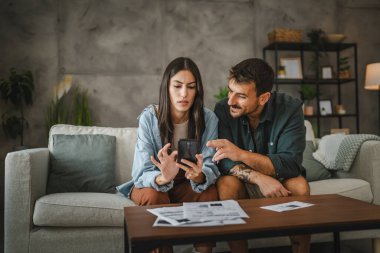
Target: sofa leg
(376,245)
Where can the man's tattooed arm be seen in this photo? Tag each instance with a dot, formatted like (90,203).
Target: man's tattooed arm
(243,172)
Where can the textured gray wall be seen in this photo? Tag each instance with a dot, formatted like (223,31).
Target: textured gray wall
(118,49)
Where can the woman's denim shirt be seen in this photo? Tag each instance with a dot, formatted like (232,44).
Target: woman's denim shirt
(144,172)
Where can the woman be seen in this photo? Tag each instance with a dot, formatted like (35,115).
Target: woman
(157,177)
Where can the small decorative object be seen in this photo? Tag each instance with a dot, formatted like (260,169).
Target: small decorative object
(308,92)
(308,110)
(285,35)
(18,89)
(344,68)
(325,107)
(281,73)
(326,72)
(339,109)
(292,65)
(333,37)
(340,130)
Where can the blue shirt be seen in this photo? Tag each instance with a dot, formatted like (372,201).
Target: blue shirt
(144,172)
(280,134)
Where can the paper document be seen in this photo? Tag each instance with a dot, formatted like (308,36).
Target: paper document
(195,214)
(214,210)
(173,215)
(163,223)
(287,206)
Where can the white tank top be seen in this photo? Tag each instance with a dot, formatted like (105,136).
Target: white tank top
(180,132)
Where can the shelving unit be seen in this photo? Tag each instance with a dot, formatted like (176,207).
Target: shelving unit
(336,48)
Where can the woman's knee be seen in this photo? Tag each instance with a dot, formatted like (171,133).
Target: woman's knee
(210,194)
(149,196)
(298,186)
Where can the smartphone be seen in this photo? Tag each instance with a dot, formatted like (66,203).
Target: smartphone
(187,149)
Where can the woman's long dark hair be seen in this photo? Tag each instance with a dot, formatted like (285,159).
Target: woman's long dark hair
(196,124)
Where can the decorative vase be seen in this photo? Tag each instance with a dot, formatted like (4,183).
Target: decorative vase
(308,110)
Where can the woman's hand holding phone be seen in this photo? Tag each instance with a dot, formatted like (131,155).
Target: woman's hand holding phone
(167,165)
(193,170)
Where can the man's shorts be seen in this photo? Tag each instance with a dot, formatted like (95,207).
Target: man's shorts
(254,191)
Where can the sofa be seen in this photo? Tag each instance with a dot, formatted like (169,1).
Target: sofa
(93,222)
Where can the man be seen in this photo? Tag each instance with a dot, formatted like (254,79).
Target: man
(261,142)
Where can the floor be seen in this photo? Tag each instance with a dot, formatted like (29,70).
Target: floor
(353,246)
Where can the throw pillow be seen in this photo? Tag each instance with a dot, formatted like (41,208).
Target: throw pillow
(82,163)
(314,170)
(328,149)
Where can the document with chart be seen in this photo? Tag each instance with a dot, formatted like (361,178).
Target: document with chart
(195,214)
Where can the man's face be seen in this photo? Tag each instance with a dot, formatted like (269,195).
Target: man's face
(242,99)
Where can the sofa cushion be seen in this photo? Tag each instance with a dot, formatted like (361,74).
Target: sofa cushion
(314,169)
(349,187)
(328,149)
(82,163)
(125,145)
(309,132)
(80,210)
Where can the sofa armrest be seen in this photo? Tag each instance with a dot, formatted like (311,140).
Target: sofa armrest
(367,167)
(25,180)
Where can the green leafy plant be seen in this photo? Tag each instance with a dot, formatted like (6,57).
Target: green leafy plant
(223,93)
(308,92)
(318,47)
(344,68)
(69,106)
(18,90)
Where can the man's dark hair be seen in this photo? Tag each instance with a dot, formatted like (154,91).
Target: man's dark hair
(254,70)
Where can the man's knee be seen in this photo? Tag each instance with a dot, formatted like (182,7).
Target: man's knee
(149,196)
(298,186)
(230,187)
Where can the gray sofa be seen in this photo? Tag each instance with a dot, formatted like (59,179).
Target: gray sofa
(93,222)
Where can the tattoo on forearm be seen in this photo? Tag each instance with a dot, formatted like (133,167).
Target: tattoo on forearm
(242,172)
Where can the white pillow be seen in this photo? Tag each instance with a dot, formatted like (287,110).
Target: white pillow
(328,149)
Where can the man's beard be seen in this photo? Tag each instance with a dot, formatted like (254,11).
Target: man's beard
(237,115)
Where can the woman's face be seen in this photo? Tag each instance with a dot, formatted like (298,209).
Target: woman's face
(182,91)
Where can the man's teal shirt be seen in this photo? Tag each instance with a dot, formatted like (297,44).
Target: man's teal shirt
(280,134)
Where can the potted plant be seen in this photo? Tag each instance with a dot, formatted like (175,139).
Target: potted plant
(18,90)
(69,105)
(308,92)
(318,46)
(344,68)
(223,93)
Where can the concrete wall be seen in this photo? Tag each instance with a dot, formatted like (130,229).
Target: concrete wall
(118,49)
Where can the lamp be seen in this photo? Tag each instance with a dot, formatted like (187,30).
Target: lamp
(372,80)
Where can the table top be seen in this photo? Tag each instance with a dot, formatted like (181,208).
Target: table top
(330,213)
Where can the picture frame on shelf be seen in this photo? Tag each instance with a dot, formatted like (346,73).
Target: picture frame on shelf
(325,107)
(327,72)
(293,68)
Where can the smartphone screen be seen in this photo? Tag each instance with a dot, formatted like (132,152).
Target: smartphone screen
(187,149)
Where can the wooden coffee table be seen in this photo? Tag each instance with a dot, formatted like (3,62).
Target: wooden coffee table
(331,213)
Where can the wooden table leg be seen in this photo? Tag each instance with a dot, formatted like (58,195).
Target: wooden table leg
(336,242)
(126,242)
